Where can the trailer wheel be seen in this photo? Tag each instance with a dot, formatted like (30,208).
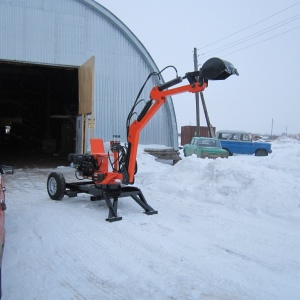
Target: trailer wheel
(56,186)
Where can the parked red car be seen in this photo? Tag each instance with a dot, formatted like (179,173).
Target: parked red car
(3,170)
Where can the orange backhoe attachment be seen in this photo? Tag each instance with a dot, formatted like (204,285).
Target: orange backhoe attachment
(158,98)
(212,69)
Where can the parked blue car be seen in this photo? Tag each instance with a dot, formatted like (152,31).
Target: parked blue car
(241,142)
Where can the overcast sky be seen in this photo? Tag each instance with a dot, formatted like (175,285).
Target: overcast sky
(260,38)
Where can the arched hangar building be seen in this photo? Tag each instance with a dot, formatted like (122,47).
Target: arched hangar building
(70,70)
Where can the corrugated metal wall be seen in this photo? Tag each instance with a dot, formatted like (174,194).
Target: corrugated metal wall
(68,32)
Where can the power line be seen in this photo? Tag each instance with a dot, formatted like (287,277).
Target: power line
(252,36)
(250,26)
(262,41)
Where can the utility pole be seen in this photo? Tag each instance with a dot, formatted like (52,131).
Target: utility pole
(197,96)
(209,127)
(272,128)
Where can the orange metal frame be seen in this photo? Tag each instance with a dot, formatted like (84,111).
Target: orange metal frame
(159,98)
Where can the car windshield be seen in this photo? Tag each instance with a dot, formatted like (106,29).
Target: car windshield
(209,143)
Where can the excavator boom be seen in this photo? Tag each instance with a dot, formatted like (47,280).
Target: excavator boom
(157,99)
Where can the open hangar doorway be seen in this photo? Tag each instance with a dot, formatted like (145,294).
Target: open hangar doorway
(38,109)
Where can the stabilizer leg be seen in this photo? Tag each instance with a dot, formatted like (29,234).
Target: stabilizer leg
(113,208)
(140,199)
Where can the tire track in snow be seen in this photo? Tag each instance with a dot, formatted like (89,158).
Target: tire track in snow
(119,241)
(122,240)
(78,229)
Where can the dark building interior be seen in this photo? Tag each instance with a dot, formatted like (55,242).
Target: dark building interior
(38,108)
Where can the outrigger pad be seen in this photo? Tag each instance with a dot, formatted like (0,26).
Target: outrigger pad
(113,219)
(153,212)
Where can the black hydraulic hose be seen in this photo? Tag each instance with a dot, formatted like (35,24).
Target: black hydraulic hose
(170,83)
(144,111)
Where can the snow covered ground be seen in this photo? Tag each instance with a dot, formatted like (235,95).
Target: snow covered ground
(225,229)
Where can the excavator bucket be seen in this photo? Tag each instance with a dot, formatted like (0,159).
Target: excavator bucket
(217,69)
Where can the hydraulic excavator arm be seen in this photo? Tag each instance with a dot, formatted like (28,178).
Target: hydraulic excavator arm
(213,69)
(124,157)
(105,184)
(158,97)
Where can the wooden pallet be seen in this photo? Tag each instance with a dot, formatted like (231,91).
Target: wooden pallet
(166,154)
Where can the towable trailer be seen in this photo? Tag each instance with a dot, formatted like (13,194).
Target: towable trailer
(58,188)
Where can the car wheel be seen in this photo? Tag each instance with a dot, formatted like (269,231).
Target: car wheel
(184,153)
(229,153)
(56,186)
(261,152)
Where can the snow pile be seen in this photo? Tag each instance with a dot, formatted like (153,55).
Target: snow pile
(225,229)
(292,138)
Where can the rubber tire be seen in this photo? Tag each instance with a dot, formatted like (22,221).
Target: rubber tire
(56,186)
(184,153)
(230,153)
(261,152)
